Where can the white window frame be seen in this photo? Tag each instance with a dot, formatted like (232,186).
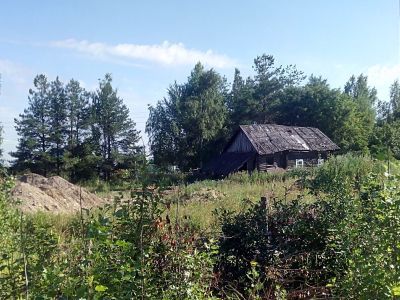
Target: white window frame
(299,163)
(320,162)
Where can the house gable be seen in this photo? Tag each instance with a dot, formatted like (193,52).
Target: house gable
(240,144)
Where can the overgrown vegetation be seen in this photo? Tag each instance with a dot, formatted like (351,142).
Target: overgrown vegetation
(335,234)
(330,231)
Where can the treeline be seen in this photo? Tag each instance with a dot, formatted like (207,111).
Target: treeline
(86,134)
(193,122)
(66,130)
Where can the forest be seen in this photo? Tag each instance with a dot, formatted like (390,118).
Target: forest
(327,232)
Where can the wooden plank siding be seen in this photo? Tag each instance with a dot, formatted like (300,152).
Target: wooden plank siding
(310,159)
(271,147)
(264,161)
(240,144)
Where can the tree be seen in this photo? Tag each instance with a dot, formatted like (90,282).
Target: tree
(184,128)
(113,132)
(385,140)
(58,122)
(78,113)
(34,130)
(270,82)
(1,142)
(314,104)
(395,100)
(79,160)
(239,101)
(365,99)
(255,99)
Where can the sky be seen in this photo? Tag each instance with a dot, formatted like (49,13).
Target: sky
(147,45)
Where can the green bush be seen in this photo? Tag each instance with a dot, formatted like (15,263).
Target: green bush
(286,242)
(125,250)
(368,238)
(343,170)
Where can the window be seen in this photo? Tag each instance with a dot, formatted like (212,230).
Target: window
(320,161)
(299,163)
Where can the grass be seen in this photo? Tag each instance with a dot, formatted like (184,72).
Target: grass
(199,200)
(64,225)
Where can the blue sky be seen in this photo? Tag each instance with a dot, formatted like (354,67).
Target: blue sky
(146,45)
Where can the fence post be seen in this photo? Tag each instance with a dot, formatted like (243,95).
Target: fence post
(264,203)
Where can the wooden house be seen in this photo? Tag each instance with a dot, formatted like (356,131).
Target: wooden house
(265,147)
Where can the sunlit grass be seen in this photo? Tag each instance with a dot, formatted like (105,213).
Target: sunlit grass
(200,200)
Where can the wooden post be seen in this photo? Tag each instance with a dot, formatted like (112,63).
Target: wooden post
(264,203)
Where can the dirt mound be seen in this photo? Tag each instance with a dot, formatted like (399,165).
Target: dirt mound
(55,194)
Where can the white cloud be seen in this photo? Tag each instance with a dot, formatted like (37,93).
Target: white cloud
(166,53)
(16,80)
(382,76)
(15,73)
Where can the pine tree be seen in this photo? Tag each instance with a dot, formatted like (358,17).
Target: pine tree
(240,101)
(58,122)
(113,132)
(34,130)
(80,163)
(270,82)
(78,113)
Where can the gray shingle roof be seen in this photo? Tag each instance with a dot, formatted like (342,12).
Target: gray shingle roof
(270,138)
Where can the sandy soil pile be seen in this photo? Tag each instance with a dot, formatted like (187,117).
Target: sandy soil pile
(55,194)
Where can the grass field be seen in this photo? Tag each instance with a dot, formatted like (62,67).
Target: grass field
(200,200)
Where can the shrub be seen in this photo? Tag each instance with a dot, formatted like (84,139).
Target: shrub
(345,170)
(369,237)
(287,244)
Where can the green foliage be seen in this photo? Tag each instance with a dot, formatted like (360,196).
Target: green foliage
(287,242)
(68,131)
(342,243)
(34,130)
(196,118)
(1,142)
(368,235)
(255,99)
(114,135)
(343,171)
(263,177)
(122,251)
(186,128)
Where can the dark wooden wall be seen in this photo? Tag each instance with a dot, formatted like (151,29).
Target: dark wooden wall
(240,144)
(287,160)
(310,158)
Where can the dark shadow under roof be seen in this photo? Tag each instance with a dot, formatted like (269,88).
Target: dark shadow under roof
(271,138)
(226,163)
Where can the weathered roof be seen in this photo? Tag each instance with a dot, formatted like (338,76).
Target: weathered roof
(271,138)
(227,162)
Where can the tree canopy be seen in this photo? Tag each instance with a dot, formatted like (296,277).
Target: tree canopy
(193,122)
(66,130)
